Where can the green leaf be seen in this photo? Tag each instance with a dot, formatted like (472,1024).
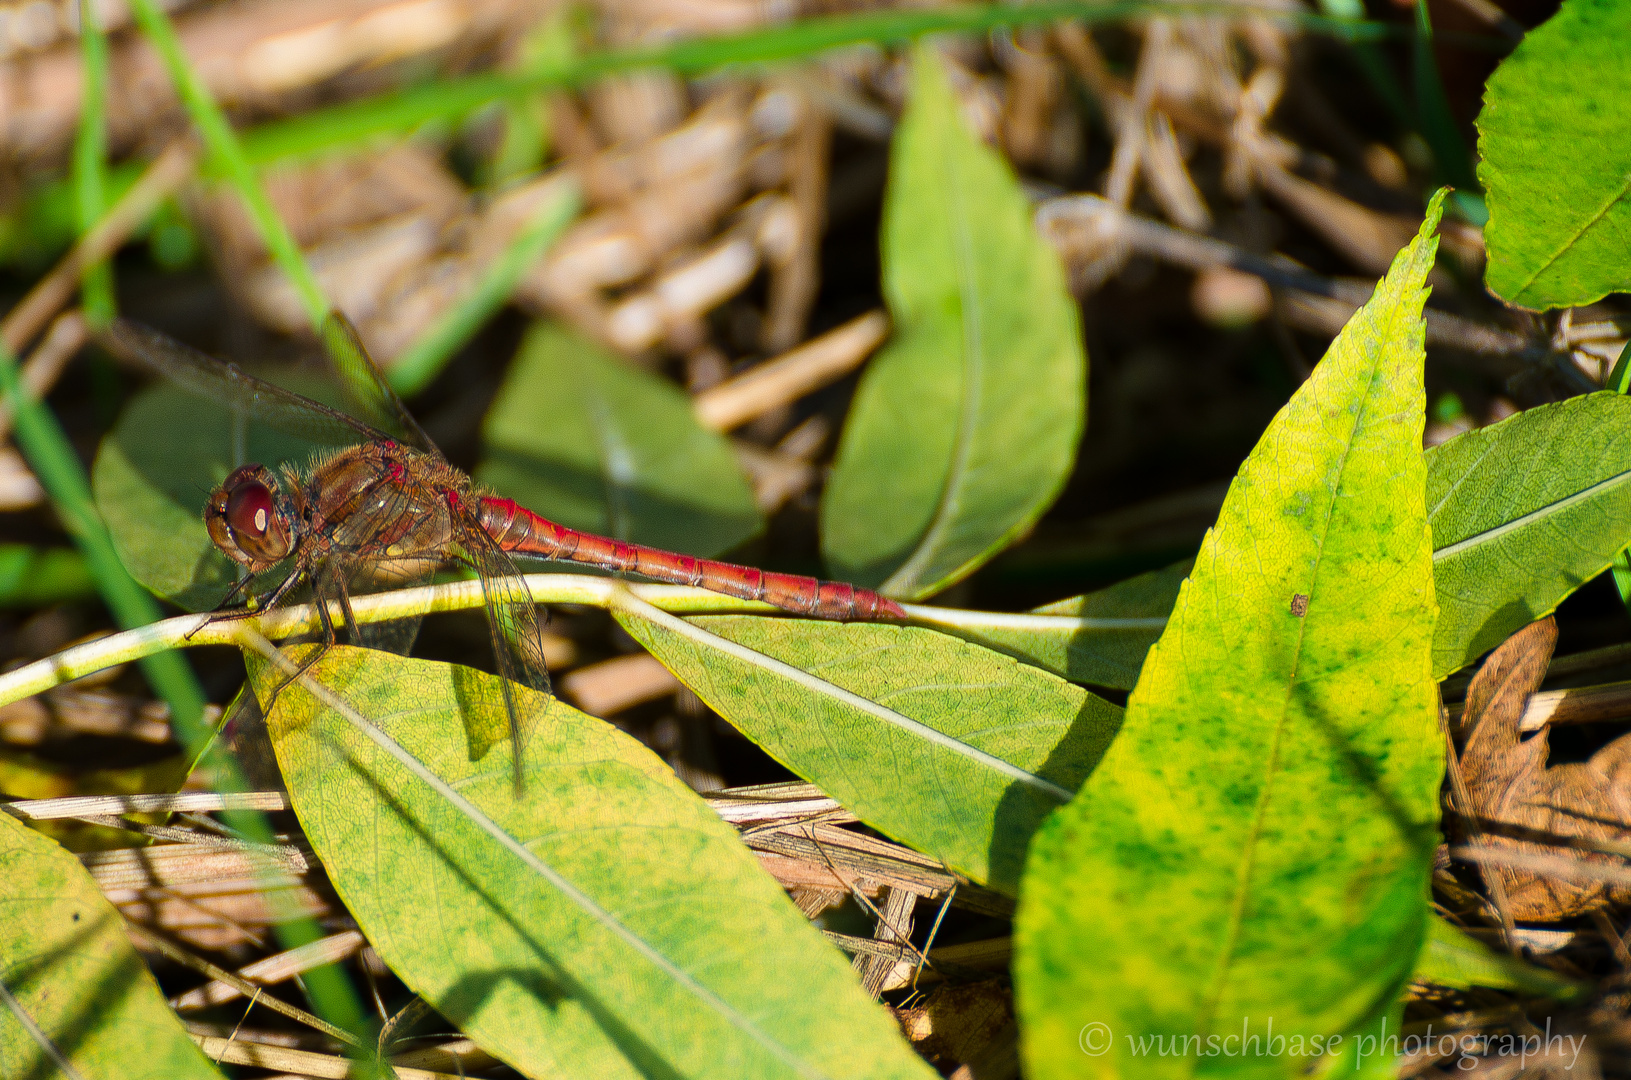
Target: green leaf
(1523,513)
(1258,840)
(954,749)
(1099,638)
(595,444)
(965,426)
(1555,141)
(152,475)
(1456,959)
(677,957)
(67,965)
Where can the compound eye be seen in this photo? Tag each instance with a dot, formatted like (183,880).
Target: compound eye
(249,510)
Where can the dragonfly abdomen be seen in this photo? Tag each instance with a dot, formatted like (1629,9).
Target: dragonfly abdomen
(523,532)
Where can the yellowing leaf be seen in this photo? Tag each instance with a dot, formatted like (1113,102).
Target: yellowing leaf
(1257,841)
(69,969)
(658,946)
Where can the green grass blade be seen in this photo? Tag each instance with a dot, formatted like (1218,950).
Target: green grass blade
(1437,122)
(90,161)
(227,155)
(71,975)
(424,360)
(404,110)
(1258,840)
(36,577)
(53,460)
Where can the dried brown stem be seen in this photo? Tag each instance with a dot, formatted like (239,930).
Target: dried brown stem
(242,985)
(787,378)
(45,365)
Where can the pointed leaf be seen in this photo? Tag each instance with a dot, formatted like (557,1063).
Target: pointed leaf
(954,749)
(587,440)
(68,967)
(965,426)
(678,956)
(1456,959)
(1258,840)
(1523,513)
(1555,143)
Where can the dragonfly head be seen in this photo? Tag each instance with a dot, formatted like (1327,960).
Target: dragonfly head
(249,520)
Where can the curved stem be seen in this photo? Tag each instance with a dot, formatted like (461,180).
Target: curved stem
(185,631)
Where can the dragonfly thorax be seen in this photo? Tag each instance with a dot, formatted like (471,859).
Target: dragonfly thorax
(248,519)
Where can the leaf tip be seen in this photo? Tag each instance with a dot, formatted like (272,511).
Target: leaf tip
(1435,211)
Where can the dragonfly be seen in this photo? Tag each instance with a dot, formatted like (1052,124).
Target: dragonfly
(388,508)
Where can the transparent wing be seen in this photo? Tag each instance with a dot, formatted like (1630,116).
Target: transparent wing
(227,384)
(366,529)
(366,385)
(512,620)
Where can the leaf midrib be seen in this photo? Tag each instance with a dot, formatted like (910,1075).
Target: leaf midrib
(969,308)
(1237,914)
(1540,513)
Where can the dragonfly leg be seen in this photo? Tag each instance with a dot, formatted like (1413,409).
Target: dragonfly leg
(352,633)
(219,614)
(315,655)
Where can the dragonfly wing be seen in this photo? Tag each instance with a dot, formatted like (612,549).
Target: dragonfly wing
(366,385)
(368,529)
(227,384)
(512,619)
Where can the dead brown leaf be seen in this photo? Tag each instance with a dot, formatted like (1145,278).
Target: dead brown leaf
(1508,783)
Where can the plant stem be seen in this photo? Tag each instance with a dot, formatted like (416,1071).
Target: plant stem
(90,163)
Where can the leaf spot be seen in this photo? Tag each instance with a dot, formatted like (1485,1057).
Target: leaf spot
(1299,605)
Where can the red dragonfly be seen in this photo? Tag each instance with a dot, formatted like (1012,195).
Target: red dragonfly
(389,508)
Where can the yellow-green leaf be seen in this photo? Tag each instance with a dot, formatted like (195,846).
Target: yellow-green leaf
(651,943)
(949,747)
(1257,842)
(77,990)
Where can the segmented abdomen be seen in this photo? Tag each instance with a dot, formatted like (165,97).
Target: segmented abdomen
(519,530)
